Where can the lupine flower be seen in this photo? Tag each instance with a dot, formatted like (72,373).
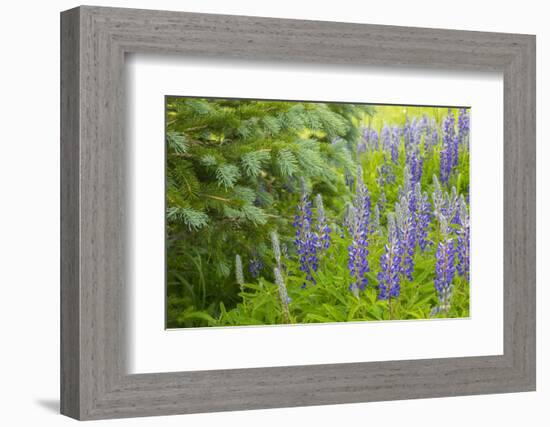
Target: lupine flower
(373,138)
(463,126)
(385,136)
(358,250)
(361,147)
(434,136)
(463,240)
(455,150)
(276,248)
(255,266)
(445,267)
(451,207)
(239,271)
(423,216)
(438,198)
(385,174)
(382,201)
(407,186)
(370,138)
(407,132)
(423,123)
(365,131)
(415,162)
(323,230)
(407,235)
(306,240)
(394,147)
(447,154)
(283,294)
(389,278)
(349,215)
(416,132)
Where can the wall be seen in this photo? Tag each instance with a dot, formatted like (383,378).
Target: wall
(29,225)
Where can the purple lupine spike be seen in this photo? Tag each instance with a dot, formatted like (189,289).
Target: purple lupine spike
(255,266)
(358,264)
(407,235)
(385,136)
(438,198)
(445,267)
(416,132)
(374,139)
(423,124)
(434,137)
(456,142)
(323,230)
(394,146)
(389,278)
(447,154)
(415,162)
(365,132)
(382,201)
(423,216)
(463,240)
(464,126)
(349,214)
(450,209)
(407,132)
(361,147)
(306,239)
(385,174)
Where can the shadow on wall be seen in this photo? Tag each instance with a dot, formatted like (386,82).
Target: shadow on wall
(51,405)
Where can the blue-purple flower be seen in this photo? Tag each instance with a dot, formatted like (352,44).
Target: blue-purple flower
(323,230)
(373,138)
(415,162)
(463,126)
(385,136)
(370,138)
(306,239)
(406,228)
(407,132)
(449,152)
(432,139)
(423,216)
(385,174)
(358,251)
(255,265)
(389,277)
(395,140)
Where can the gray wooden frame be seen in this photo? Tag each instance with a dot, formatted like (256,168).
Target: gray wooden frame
(94,382)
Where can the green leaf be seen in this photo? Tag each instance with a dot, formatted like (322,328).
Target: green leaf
(227,175)
(288,165)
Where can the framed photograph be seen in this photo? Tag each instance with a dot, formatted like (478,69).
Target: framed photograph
(262,213)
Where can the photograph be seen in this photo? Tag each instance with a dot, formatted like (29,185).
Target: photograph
(295,212)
